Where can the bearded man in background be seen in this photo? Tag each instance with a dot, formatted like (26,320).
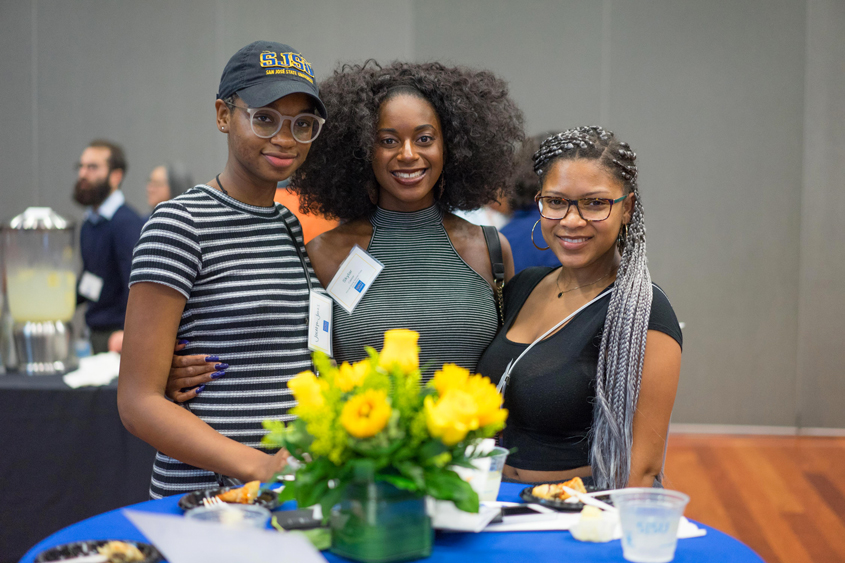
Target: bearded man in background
(107,238)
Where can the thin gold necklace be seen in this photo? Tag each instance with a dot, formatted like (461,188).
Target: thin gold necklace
(557,282)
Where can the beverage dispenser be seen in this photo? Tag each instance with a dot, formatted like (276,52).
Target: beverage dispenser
(41,289)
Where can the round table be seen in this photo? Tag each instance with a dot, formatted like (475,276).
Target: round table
(52,436)
(489,547)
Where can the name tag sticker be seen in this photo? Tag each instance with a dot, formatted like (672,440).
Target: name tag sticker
(90,286)
(354,277)
(320,323)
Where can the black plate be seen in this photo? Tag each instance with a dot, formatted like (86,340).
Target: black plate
(560,505)
(268,499)
(77,549)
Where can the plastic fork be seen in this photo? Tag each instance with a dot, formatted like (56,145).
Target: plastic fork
(214,501)
(590,500)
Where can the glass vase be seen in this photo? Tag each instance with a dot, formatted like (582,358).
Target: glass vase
(376,522)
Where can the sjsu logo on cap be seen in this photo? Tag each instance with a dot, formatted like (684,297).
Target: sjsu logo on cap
(283,63)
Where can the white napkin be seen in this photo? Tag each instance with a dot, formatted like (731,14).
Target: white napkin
(565,520)
(687,529)
(185,541)
(445,516)
(561,521)
(94,370)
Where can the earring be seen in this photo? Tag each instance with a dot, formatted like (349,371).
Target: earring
(442,187)
(532,237)
(622,237)
(222,128)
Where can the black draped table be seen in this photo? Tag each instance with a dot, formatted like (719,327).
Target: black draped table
(64,456)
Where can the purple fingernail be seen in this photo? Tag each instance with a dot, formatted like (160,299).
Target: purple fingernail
(183,341)
(221,366)
(212,359)
(217,375)
(200,388)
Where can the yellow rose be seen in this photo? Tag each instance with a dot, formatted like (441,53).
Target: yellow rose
(400,350)
(451,416)
(351,376)
(487,399)
(366,414)
(450,377)
(306,390)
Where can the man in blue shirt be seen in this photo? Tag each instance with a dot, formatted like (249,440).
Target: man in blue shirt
(107,238)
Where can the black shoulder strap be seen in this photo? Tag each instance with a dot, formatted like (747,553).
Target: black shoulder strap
(494,248)
(298,252)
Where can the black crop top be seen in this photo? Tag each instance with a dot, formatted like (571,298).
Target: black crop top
(551,390)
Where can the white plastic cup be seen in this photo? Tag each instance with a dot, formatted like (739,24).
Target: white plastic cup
(490,490)
(649,520)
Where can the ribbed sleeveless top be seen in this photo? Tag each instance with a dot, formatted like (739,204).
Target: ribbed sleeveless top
(425,286)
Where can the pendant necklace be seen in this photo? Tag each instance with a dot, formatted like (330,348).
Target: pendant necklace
(557,282)
(222,189)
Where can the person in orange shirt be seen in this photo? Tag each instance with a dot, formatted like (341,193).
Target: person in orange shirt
(312,225)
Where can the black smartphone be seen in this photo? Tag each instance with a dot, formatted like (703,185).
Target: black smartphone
(301,519)
(517,513)
(520,510)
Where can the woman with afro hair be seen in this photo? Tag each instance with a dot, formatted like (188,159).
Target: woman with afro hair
(407,145)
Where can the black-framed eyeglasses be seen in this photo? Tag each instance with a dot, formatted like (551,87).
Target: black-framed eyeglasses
(266,122)
(589,208)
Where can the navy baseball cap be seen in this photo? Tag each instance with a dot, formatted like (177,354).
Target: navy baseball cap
(264,71)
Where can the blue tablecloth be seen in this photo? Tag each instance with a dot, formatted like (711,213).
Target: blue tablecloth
(536,547)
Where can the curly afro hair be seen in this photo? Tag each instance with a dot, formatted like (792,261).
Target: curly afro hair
(481,127)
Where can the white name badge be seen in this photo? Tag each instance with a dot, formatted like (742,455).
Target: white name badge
(354,277)
(90,286)
(320,323)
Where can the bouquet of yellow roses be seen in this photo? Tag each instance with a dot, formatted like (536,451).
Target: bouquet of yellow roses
(373,420)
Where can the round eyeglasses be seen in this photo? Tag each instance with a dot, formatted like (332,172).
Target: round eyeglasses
(589,208)
(266,122)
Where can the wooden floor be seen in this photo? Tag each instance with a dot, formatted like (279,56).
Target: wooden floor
(782,496)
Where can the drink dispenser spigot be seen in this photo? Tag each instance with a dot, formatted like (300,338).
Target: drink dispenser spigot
(41,288)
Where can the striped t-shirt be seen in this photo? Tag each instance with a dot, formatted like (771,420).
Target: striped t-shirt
(247,302)
(425,286)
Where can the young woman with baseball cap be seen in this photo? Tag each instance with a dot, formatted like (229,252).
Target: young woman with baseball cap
(223,270)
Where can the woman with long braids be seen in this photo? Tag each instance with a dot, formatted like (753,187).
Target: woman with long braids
(590,353)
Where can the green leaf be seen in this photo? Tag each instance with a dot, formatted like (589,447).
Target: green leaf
(447,485)
(322,363)
(361,470)
(309,496)
(288,492)
(330,498)
(398,481)
(431,449)
(412,471)
(371,352)
(463,463)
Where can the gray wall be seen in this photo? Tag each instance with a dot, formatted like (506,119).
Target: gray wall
(734,107)
(821,324)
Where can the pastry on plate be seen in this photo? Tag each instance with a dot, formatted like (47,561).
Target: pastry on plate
(242,495)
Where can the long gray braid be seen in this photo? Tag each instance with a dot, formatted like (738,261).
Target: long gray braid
(623,340)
